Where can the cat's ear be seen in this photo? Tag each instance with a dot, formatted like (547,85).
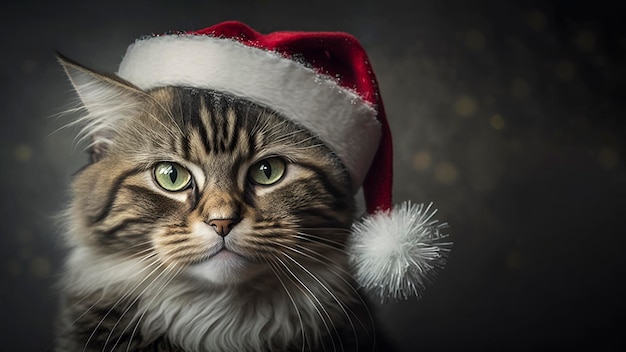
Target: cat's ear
(107,100)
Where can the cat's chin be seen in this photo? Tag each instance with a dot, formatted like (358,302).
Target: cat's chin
(224,268)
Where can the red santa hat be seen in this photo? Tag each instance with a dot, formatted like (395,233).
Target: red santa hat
(324,82)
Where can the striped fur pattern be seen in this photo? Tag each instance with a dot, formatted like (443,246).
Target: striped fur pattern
(148,271)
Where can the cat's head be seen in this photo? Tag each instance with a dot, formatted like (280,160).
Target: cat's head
(204,185)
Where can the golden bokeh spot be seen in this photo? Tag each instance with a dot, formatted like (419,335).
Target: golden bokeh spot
(586,41)
(475,40)
(537,20)
(520,88)
(565,70)
(515,260)
(40,267)
(608,158)
(465,106)
(14,269)
(23,153)
(445,173)
(497,122)
(421,160)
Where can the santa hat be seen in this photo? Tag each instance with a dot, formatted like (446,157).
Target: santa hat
(324,82)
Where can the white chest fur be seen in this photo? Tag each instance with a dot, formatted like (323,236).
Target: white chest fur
(274,312)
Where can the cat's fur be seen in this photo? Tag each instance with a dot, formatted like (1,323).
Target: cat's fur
(142,271)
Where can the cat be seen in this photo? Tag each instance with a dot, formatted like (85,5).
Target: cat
(205,222)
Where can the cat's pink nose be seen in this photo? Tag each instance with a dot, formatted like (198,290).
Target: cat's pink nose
(222,226)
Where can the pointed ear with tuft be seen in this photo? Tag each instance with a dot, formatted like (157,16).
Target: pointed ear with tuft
(107,100)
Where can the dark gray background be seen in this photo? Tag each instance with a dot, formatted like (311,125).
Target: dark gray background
(509,115)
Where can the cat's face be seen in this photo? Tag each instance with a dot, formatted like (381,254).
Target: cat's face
(206,186)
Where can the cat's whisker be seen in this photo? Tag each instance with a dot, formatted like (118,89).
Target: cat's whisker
(321,259)
(341,277)
(160,264)
(301,149)
(274,269)
(141,256)
(120,300)
(340,303)
(267,128)
(348,284)
(326,229)
(284,136)
(325,242)
(286,140)
(71,324)
(174,274)
(315,302)
(169,273)
(296,144)
(113,267)
(166,111)
(167,128)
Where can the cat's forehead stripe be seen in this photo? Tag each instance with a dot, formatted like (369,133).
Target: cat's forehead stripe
(213,124)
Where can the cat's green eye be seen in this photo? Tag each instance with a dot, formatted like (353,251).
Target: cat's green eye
(171,176)
(267,171)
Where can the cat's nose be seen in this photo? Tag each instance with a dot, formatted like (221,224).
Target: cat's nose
(223,226)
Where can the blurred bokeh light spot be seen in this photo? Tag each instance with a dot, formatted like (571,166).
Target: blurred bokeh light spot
(446,173)
(40,267)
(421,160)
(497,122)
(520,88)
(537,20)
(565,70)
(475,40)
(586,41)
(608,158)
(23,153)
(465,106)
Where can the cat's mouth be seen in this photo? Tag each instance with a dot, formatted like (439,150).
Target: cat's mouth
(223,256)
(223,252)
(223,265)
(226,254)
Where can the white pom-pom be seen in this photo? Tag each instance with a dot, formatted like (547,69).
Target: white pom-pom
(395,253)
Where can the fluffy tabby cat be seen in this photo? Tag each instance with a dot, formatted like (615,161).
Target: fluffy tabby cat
(205,222)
